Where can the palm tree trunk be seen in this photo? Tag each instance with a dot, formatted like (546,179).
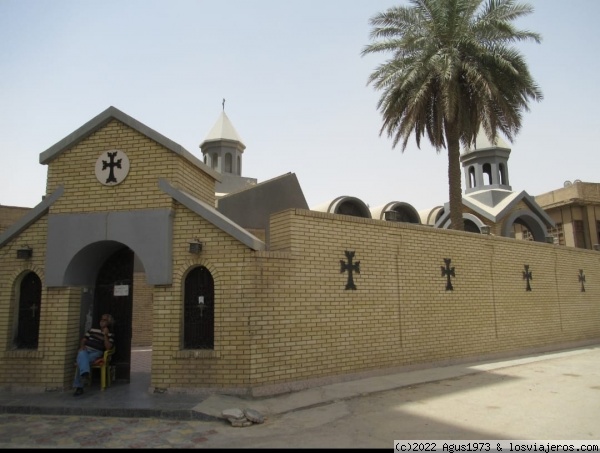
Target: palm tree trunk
(454,177)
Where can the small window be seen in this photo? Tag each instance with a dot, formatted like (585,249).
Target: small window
(487,174)
(558,234)
(28,325)
(472,181)
(228,163)
(503,173)
(199,313)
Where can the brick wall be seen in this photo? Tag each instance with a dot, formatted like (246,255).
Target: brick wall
(9,215)
(283,317)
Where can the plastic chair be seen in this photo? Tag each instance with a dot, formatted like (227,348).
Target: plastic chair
(103,364)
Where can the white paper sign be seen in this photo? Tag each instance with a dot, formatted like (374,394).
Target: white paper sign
(121,290)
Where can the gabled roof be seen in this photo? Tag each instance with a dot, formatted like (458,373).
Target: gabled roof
(210,214)
(223,130)
(104,118)
(30,217)
(497,212)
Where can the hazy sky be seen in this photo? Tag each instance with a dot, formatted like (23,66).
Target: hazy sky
(294,84)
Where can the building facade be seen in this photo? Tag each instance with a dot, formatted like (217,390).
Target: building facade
(129,225)
(575,209)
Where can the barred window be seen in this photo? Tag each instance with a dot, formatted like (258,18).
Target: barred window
(199,316)
(557,233)
(28,325)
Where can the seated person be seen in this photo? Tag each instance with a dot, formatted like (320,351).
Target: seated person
(92,347)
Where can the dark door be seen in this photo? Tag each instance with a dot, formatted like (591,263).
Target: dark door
(114,295)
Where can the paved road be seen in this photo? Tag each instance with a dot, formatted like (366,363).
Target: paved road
(557,397)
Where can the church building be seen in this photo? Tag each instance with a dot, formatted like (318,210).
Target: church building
(239,287)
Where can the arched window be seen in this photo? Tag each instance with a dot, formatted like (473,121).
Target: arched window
(228,163)
(198,310)
(239,166)
(487,174)
(503,179)
(28,324)
(472,180)
(214,161)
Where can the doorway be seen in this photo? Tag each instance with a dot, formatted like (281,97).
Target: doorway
(114,295)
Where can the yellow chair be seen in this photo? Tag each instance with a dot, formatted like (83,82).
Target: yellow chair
(103,364)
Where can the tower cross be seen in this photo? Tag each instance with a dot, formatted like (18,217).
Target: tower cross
(350,267)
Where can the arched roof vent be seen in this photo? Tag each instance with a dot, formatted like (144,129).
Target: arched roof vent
(345,205)
(431,216)
(396,211)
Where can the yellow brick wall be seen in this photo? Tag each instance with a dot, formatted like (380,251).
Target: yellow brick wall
(401,313)
(227,260)
(283,316)
(141,328)
(149,161)
(9,215)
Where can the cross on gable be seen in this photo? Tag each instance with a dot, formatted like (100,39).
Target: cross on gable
(527,275)
(111,166)
(448,272)
(582,280)
(350,267)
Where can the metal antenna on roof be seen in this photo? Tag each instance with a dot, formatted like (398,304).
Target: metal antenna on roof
(223,104)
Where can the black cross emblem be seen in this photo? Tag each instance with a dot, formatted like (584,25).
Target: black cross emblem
(582,280)
(448,272)
(111,165)
(527,276)
(349,266)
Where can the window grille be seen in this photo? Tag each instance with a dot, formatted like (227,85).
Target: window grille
(198,323)
(30,297)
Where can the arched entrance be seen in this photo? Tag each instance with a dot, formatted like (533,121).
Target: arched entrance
(114,294)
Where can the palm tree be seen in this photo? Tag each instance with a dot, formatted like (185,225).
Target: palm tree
(452,73)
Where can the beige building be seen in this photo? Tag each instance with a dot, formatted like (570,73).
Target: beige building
(269,302)
(575,209)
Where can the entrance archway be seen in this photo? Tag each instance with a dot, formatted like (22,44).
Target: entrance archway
(114,294)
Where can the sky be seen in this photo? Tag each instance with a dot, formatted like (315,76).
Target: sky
(294,84)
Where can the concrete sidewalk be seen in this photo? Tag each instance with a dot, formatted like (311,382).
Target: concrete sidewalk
(213,405)
(541,396)
(135,399)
